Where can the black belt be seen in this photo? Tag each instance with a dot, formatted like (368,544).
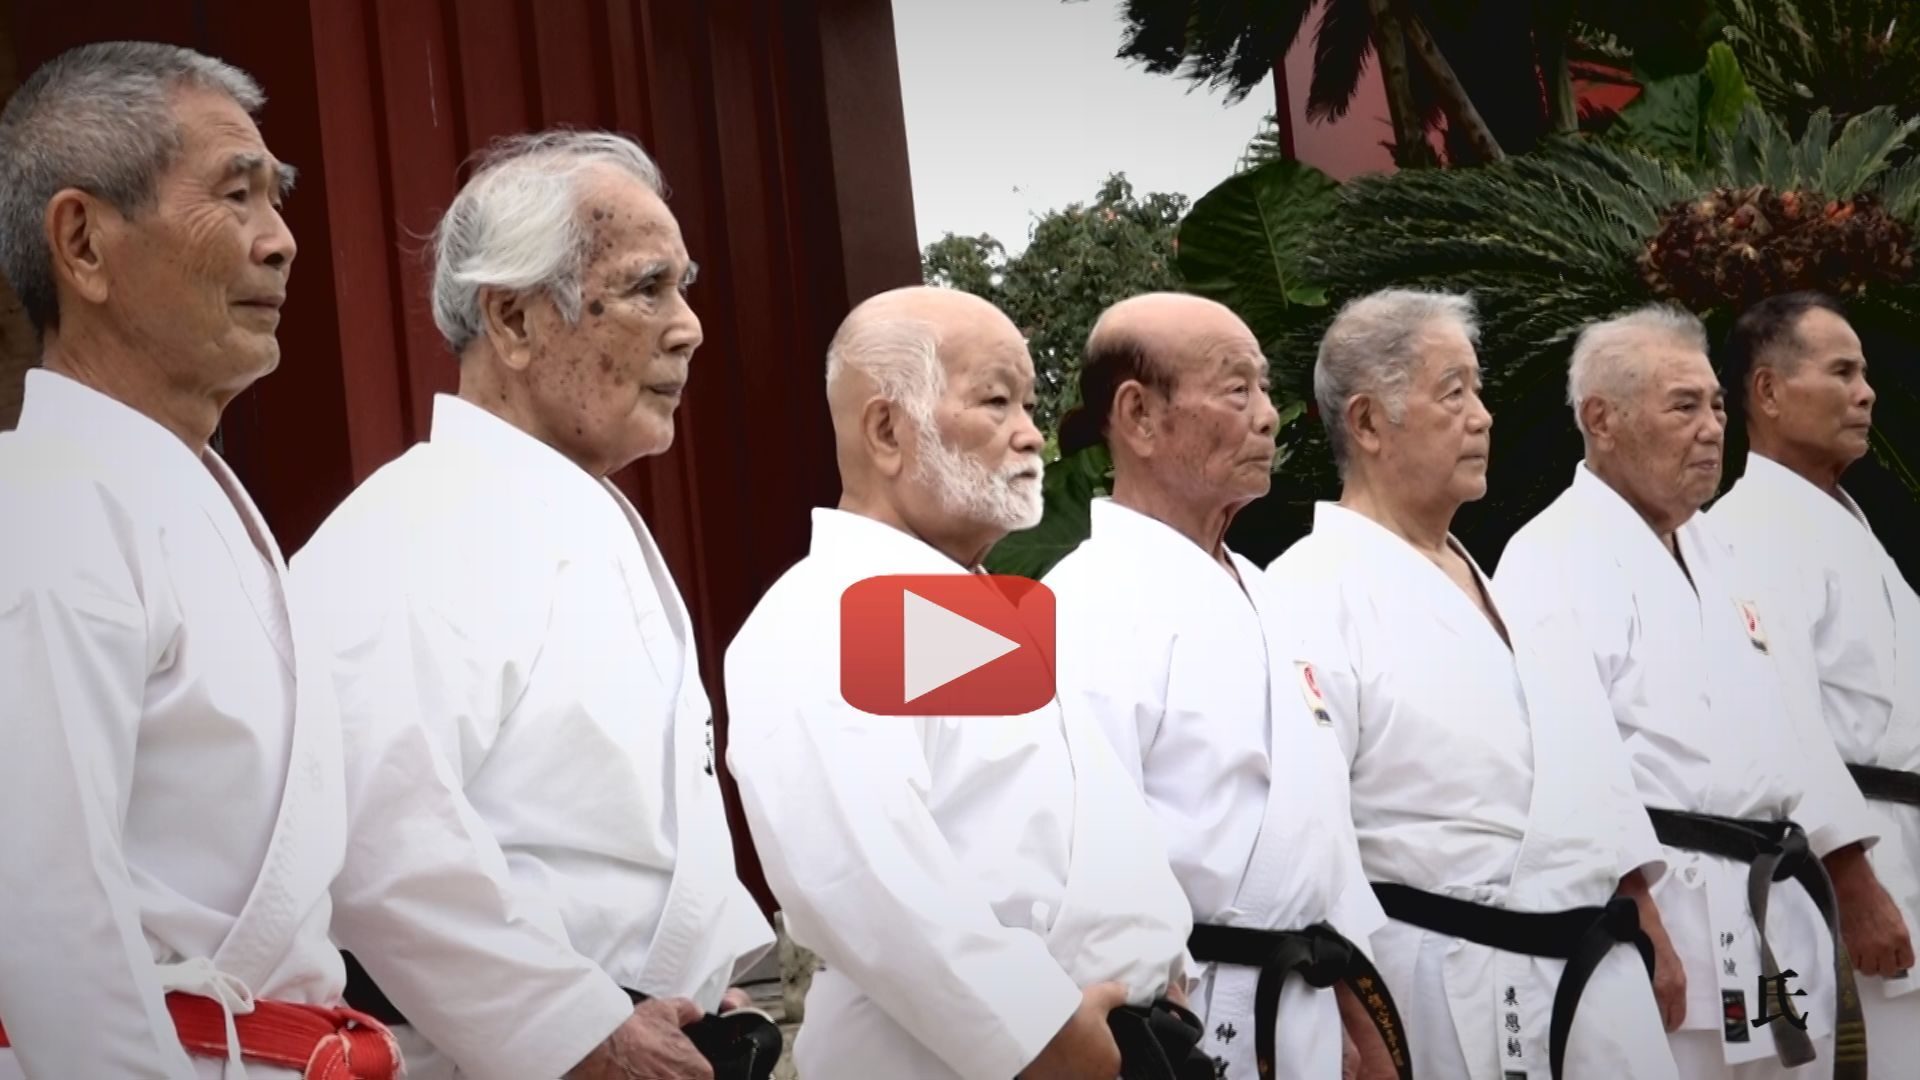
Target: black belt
(739,1045)
(1581,936)
(1323,957)
(1776,851)
(1887,785)
(1159,1042)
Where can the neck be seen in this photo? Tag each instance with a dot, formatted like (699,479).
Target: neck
(489,385)
(967,546)
(1204,523)
(1664,522)
(100,361)
(1817,469)
(1423,523)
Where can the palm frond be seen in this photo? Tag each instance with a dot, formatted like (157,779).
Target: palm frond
(1861,152)
(1342,48)
(1230,46)
(1900,187)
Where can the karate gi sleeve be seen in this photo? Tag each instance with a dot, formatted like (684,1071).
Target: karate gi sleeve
(425,901)
(79,993)
(836,802)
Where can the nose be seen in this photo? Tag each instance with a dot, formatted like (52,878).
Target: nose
(1867,396)
(1266,419)
(1479,418)
(1714,430)
(685,333)
(1026,434)
(275,247)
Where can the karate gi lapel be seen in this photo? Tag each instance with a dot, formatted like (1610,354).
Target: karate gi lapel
(309,835)
(707,911)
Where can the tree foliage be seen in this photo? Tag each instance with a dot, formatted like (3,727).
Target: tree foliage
(1080,259)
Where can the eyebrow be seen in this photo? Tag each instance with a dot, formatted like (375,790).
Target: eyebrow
(657,267)
(246,164)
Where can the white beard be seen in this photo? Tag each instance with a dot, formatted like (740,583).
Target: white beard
(971,490)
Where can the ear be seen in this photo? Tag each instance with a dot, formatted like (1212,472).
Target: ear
(1132,421)
(1596,418)
(1365,419)
(1763,391)
(75,224)
(885,437)
(503,319)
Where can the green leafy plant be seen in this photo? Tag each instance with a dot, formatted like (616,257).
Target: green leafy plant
(1679,116)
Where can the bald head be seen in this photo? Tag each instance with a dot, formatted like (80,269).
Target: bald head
(1165,324)
(1151,339)
(1176,386)
(930,391)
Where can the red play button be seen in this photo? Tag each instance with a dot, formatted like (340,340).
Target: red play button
(946,645)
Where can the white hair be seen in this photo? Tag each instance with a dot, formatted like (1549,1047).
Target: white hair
(98,118)
(1603,354)
(516,224)
(900,354)
(1373,347)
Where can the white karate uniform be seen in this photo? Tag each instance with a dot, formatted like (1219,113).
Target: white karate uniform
(1701,707)
(1188,675)
(961,878)
(172,794)
(502,631)
(1482,772)
(1852,622)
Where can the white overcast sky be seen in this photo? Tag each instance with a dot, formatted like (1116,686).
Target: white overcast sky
(1016,107)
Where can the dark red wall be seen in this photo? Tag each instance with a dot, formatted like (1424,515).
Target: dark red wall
(780,132)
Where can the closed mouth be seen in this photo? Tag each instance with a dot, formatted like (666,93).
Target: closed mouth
(667,389)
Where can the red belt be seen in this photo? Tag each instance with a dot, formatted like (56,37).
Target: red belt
(320,1043)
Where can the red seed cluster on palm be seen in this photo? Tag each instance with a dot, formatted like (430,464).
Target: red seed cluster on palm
(1734,248)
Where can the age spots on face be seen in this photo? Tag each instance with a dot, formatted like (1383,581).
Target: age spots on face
(606,364)
(597,308)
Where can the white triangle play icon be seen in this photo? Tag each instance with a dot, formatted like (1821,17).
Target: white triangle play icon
(938,646)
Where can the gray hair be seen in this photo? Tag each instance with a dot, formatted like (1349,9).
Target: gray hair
(516,224)
(98,118)
(1603,353)
(1373,347)
(900,354)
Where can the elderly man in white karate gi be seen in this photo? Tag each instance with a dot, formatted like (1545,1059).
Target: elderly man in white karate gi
(171,789)
(501,626)
(1795,371)
(1492,801)
(171,731)
(982,890)
(1744,788)
(1171,642)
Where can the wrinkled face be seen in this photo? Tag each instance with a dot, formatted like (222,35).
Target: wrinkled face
(1670,437)
(1823,401)
(1217,432)
(1441,444)
(198,278)
(605,388)
(980,461)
